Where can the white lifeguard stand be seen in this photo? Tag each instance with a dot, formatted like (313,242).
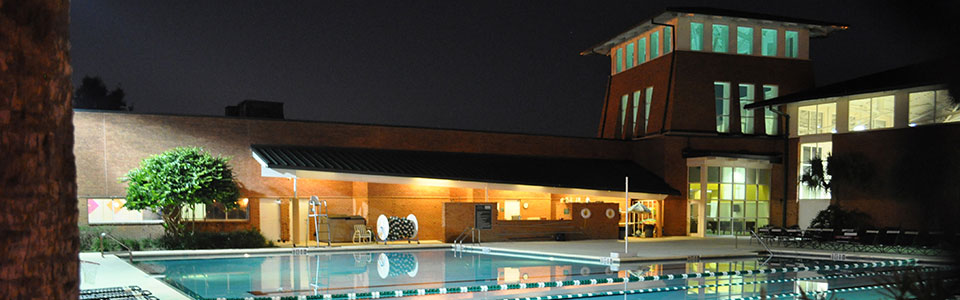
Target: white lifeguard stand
(318,209)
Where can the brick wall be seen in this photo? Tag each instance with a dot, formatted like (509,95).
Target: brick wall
(111,143)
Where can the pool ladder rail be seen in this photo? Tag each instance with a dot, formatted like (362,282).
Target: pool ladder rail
(474,235)
(102,251)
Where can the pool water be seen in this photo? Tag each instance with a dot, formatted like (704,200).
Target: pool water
(427,270)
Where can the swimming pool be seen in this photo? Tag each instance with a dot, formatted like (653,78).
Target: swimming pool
(457,274)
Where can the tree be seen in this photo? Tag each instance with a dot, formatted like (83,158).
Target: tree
(93,94)
(183,176)
(39,237)
(841,172)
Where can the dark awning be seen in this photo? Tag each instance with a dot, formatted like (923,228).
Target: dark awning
(574,173)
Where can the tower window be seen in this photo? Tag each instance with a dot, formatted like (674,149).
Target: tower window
(791,45)
(745,40)
(768,42)
(721,38)
(696,36)
(654,44)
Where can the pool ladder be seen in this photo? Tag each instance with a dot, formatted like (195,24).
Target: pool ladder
(129,252)
(474,234)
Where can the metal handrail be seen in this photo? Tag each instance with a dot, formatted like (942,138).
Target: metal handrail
(754,233)
(463,237)
(129,252)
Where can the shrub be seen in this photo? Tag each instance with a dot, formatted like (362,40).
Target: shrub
(836,217)
(217,240)
(90,241)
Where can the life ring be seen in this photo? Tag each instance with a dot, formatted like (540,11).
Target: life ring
(383,227)
(611,213)
(585,213)
(416,227)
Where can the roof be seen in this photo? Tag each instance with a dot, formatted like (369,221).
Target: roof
(922,74)
(817,28)
(592,174)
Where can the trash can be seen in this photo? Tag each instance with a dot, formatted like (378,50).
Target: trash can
(648,230)
(622,230)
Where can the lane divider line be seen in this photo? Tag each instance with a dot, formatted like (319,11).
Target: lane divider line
(517,286)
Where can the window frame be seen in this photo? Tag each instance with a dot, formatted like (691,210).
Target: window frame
(722,106)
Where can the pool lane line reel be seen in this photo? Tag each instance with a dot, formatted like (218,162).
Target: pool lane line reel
(384,229)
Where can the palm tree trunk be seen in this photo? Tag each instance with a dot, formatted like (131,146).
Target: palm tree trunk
(38,219)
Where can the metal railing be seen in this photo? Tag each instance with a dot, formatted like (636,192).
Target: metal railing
(754,234)
(129,251)
(474,237)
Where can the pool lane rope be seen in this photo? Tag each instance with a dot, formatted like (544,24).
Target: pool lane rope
(677,288)
(815,294)
(562,283)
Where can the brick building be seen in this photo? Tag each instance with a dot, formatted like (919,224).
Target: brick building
(678,119)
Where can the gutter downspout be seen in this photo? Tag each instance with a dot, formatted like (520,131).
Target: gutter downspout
(786,161)
(606,98)
(673,60)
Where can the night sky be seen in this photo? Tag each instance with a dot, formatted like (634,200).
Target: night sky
(511,66)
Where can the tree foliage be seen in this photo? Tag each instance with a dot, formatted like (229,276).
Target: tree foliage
(93,94)
(183,176)
(840,172)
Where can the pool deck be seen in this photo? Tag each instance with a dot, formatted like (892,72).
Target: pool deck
(112,271)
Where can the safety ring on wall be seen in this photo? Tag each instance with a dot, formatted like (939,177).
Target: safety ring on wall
(611,213)
(585,213)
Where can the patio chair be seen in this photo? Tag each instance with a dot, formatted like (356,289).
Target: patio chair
(847,239)
(776,235)
(361,233)
(931,242)
(907,244)
(792,236)
(870,240)
(888,240)
(809,237)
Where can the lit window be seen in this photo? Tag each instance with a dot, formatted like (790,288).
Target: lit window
(947,111)
(114,210)
(217,211)
(654,44)
(881,112)
(696,36)
(770,118)
(746,115)
(768,42)
(636,109)
(809,151)
(721,93)
(721,38)
(745,40)
(816,119)
(641,50)
(623,112)
(630,55)
(619,60)
(646,109)
(667,40)
(792,44)
(932,107)
(871,113)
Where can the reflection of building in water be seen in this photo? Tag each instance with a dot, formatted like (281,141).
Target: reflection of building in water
(726,290)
